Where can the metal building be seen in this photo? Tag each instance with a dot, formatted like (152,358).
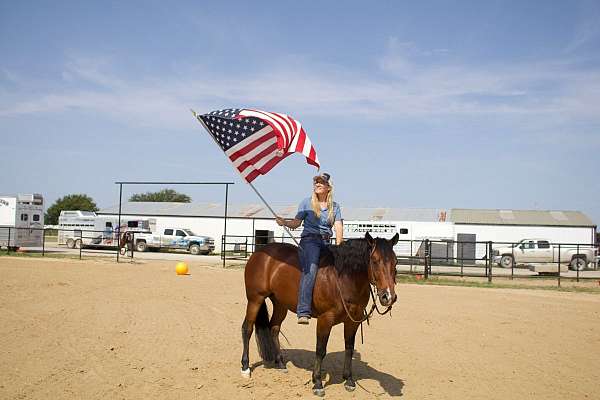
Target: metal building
(253,223)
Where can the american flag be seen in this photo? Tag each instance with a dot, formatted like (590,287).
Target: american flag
(255,141)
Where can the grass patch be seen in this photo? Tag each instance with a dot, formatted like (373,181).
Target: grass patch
(568,284)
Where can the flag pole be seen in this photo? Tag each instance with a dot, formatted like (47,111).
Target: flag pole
(273,212)
(249,183)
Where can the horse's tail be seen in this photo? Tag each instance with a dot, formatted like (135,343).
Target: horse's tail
(264,340)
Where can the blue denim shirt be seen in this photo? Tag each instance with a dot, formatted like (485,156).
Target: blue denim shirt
(313,224)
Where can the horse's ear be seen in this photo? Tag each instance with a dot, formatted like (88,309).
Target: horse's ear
(394,240)
(370,240)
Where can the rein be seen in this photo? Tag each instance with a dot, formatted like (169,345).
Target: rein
(373,306)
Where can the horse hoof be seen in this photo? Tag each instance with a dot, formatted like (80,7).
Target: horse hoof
(246,373)
(349,388)
(319,392)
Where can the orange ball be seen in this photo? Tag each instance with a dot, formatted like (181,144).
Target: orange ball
(181,268)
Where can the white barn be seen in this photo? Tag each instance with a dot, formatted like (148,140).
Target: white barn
(251,222)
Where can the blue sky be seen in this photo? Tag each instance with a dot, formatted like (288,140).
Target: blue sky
(439,104)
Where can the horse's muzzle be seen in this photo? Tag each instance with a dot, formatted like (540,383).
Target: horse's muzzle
(386,298)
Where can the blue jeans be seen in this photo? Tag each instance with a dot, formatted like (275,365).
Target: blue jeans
(309,262)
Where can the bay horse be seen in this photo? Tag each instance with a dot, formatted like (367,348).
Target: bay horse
(340,295)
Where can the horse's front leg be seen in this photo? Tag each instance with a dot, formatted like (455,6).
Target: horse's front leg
(350,329)
(324,324)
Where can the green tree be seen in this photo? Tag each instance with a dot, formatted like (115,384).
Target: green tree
(81,202)
(161,196)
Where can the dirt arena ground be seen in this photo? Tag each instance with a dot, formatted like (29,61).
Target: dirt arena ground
(96,329)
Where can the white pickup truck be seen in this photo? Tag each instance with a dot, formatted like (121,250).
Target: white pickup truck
(176,239)
(541,255)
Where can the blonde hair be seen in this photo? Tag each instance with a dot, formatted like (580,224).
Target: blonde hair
(316,207)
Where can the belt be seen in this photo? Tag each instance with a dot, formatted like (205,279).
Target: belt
(317,236)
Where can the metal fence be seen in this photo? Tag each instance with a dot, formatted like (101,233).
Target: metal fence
(422,258)
(83,241)
(428,257)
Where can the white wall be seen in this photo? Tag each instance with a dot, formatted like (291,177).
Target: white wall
(504,233)
(513,234)
(214,227)
(417,231)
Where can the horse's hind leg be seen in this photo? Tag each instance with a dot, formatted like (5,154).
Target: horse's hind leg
(279,314)
(247,328)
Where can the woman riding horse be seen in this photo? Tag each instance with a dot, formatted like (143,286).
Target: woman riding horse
(319,213)
(341,293)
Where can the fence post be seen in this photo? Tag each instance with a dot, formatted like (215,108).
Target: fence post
(411,256)
(44,241)
(223,255)
(462,257)
(490,261)
(81,243)
(8,242)
(430,257)
(426,269)
(558,265)
(577,268)
(512,266)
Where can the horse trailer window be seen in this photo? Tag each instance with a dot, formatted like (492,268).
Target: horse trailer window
(169,232)
(132,224)
(24,217)
(108,225)
(36,217)
(403,231)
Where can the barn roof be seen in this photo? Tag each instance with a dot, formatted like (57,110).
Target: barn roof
(519,217)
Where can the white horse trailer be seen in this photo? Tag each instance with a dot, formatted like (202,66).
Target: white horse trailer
(77,228)
(412,235)
(21,220)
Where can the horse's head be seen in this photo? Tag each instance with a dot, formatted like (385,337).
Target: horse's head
(382,267)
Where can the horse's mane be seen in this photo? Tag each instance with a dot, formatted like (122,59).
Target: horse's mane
(351,257)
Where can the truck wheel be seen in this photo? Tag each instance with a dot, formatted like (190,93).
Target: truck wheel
(70,243)
(506,262)
(141,246)
(578,264)
(78,244)
(195,249)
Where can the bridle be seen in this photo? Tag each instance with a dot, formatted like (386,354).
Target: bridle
(374,306)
